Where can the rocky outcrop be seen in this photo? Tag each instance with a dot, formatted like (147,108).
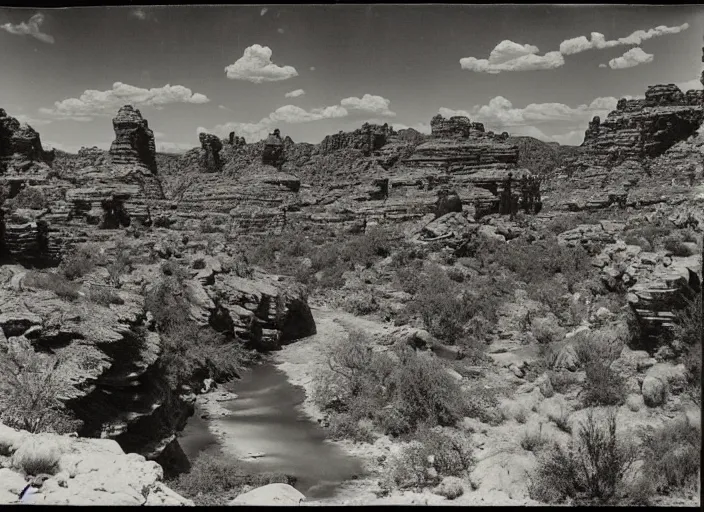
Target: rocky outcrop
(134,141)
(368,139)
(234,140)
(210,148)
(87,472)
(21,150)
(273,150)
(272,494)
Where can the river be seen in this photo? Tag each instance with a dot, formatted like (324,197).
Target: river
(266,420)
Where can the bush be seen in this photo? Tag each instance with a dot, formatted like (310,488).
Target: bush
(56,283)
(592,470)
(428,458)
(397,394)
(672,456)
(547,330)
(533,441)
(561,419)
(120,265)
(689,333)
(602,386)
(36,456)
(29,197)
(676,246)
(77,264)
(216,481)
(31,388)
(104,296)
(189,351)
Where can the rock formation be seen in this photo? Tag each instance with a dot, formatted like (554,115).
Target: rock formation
(234,140)
(368,139)
(134,141)
(89,472)
(211,146)
(273,150)
(21,151)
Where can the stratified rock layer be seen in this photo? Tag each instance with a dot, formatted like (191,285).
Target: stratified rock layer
(134,141)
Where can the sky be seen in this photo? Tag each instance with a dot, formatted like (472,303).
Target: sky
(313,70)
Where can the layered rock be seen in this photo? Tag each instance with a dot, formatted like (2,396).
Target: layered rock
(21,151)
(210,148)
(644,152)
(368,139)
(273,150)
(134,141)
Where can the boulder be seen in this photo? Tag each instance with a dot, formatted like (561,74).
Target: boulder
(272,494)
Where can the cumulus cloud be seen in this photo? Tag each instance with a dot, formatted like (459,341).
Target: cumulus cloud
(312,68)
(280,30)
(290,114)
(256,66)
(500,112)
(598,41)
(419,127)
(695,84)
(501,115)
(632,58)
(295,94)
(369,103)
(603,66)
(510,56)
(30,28)
(96,103)
(31,121)
(173,147)
(263,11)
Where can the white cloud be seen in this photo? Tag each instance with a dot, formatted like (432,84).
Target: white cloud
(500,115)
(289,114)
(95,103)
(312,68)
(633,57)
(295,94)
(263,11)
(31,120)
(256,66)
(280,30)
(599,42)
(695,84)
(173,147)
(419,127)
(30,28)
(603,66)
(370,103)
(510,56)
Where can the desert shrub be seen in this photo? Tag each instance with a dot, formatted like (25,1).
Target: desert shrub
(532,440)
(562,381)
(213,481)
(189,351)
(541,260)
(397,394)
(450,488)
(605,344)
(675,245)
(561,419)
(119,265)
(104,296)
(563,223)
(651,233)
(29,197)
(80,262)
(431,456)
(361,305)
(452,313)
(602,386)
(591,470)
(36,456)
(640,241)
(689,333)
(54,282)
(31,388)
(547,330)
(672,456)
(482,404)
